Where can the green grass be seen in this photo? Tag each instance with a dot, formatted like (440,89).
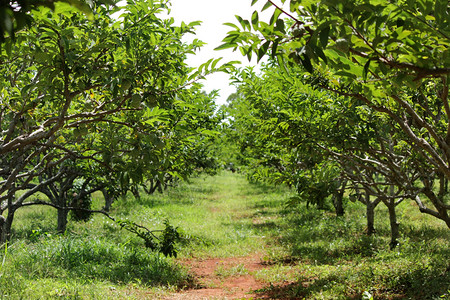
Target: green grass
(331,258)
(309,253)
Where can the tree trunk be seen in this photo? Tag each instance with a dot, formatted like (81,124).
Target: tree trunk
(2,223)
(136,194)
(337,200)
(6,225)
(62,214)
(370,214)
(109,199)
(395,233)
(159,187)
(62,220)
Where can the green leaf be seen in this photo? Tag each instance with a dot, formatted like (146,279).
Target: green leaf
(214,63)
(280,26)
(231,25)
(366,69)
(225,46)
(324,33)
(281,62)
(8,45)
(294,4)
(210,133)
(244,23)
(274,48)
(306,62)
(319,52)
(266,6)
(255,20)
(195,23)
(275,16)
(83,7)
(6,22)
(263,50)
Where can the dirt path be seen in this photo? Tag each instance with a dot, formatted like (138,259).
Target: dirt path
(238,277)
(224,278)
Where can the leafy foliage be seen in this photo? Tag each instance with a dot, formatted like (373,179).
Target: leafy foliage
(282,124)
(15,15)
(108,101)
(164,244)
(386,56)
(81,201)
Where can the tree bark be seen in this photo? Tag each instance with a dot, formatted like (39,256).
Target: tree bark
(395,233)
(337,200)
(135,191)
(109,199)
(5,233)
(2,223)
(6,225)
(62,220)
(370,214)
(62,214)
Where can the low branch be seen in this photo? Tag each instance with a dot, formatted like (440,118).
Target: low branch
(40,202)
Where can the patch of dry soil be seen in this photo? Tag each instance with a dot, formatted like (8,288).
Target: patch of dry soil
(223,278)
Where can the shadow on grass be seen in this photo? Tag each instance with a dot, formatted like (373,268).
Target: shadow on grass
(262,188)
(319,244)
(325,238)
(418,284)
(266,226)
(425,283)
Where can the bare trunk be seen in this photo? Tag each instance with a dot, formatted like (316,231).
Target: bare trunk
(395,233)
(370,210)
(370,215)
(2,223)
(337,200)
(135,191)
(6,225)
(62,214)
(109,199)
(159,186)
(391,205)
(62,220)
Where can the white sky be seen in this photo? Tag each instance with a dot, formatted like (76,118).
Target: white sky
(213,13)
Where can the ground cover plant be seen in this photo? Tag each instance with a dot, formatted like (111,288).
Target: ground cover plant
(300,253)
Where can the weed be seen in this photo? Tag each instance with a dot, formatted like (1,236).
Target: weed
(237,270)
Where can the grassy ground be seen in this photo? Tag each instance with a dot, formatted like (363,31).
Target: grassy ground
(310,254)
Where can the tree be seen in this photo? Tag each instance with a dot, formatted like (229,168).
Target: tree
(279,122)
(392,56)
(89,98)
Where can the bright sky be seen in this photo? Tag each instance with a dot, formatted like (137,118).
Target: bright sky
(213,13)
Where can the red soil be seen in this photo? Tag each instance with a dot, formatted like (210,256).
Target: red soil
(215,283)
